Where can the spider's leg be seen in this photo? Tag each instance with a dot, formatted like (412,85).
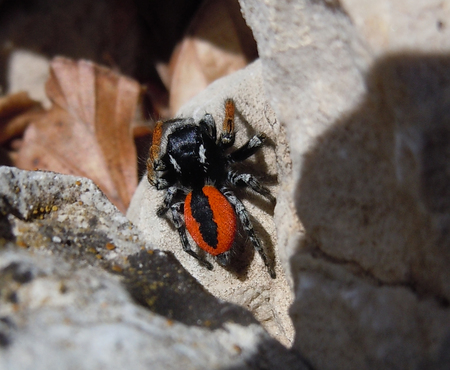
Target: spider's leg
(224,258)
(208,123)
(153,161)
(168,199)
(178,221)
(246,179)
(248,149)
(160,183)
(156,167)
(226,139)
(242,213)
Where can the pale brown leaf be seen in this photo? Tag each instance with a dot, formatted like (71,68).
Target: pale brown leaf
(218,43)
(88,131)
(16,112)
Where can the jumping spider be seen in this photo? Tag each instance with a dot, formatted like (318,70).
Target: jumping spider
(186,158)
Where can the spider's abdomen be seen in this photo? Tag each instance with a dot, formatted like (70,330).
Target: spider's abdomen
(210,219)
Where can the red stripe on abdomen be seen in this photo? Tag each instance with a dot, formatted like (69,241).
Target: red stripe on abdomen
(223,217)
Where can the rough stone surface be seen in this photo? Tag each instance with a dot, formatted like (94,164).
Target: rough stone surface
(355,98)
(392,26)
(79,289)
(362,91)
(247,283)
(61,316)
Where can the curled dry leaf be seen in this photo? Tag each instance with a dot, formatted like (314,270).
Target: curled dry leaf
(217,43)
(89,129)
(16,112)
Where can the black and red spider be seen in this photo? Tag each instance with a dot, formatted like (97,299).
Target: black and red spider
(187,159)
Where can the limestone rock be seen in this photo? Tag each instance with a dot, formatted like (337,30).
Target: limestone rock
(362,91)
(80,288)
(247,282)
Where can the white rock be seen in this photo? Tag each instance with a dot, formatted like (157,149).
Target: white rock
(268,299)
(99,296)
(365,112)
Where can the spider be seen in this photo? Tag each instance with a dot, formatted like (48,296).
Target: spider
(187,158)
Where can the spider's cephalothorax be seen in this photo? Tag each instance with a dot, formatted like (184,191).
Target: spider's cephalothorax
(187,159)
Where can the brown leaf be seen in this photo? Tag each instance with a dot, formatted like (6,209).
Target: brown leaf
(218,43)
(88,131)
(16,112)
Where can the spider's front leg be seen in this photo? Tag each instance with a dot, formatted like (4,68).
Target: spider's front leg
(178,221)
(155,166)
(226,139)
(242,213)
(248,149)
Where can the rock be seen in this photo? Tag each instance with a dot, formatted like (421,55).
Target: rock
(354,98)
(79,288)
(63,316)
(365,201)
(347,320)
(247,283)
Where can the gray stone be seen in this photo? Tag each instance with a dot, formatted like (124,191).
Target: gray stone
(362,90)
(80,289)
(248,284)
(354,97)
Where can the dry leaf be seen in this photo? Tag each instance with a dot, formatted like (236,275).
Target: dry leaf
(88,131)
(16,112)
(218,43)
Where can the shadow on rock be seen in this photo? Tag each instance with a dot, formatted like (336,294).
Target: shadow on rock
(375,205)
(375,189)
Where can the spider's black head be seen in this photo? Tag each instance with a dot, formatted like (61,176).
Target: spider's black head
(193,155)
